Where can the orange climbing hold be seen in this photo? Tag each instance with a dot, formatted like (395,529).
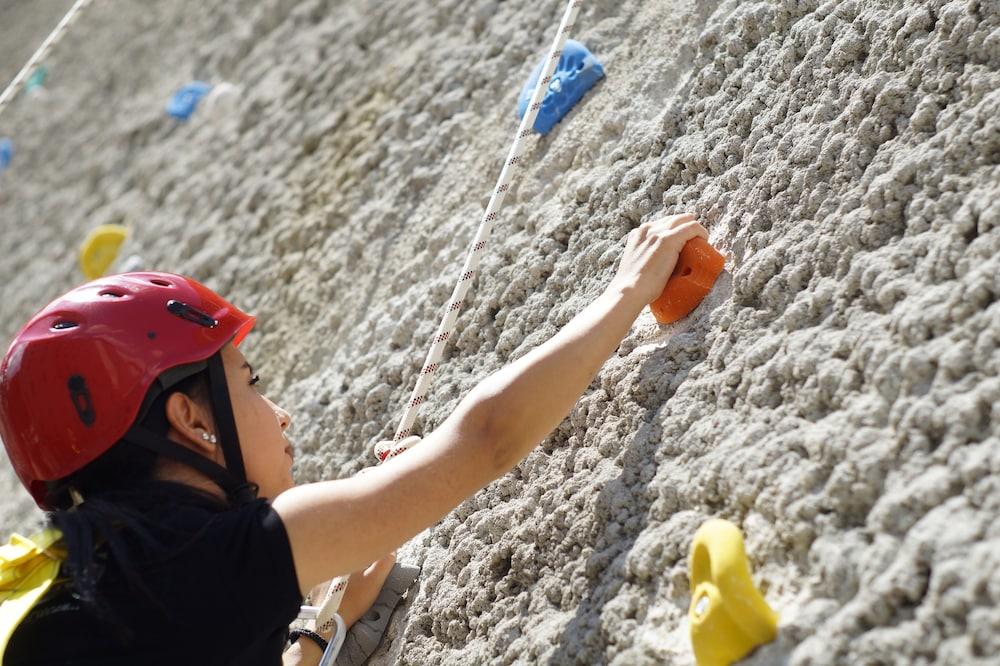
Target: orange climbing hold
(697,268)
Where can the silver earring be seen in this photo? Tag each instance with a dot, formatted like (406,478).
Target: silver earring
(208,438)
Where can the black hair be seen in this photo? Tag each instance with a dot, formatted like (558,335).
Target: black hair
(121,498)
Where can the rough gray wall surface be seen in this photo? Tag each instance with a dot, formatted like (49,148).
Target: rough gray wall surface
(24,24)
(836,396)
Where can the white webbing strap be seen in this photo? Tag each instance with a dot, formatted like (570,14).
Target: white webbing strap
(15,85)
(325,621)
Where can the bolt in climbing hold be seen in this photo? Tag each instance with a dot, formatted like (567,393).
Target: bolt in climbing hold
(577,72)
(728,615)
(698,266)
(185,101)
(100,249)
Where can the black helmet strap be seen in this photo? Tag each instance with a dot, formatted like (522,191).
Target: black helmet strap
(225,422)
(237,492)
(232,478)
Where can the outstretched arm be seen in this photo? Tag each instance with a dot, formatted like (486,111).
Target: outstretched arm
(340,526)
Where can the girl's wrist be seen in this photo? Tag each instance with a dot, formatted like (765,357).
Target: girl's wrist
(628,296)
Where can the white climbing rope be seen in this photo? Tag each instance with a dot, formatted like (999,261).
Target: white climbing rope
(327,614)
(478,247)
(7,96)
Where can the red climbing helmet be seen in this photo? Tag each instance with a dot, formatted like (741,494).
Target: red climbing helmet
(74,380)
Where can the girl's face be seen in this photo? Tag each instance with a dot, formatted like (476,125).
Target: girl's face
(261,424)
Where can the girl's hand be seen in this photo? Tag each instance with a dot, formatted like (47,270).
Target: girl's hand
(363,588)
(651,253)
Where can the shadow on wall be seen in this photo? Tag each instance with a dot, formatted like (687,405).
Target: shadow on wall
(606,566)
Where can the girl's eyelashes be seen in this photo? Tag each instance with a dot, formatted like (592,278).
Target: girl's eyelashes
(254,380)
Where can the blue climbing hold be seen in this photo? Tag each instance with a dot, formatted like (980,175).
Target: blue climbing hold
(577,72)
(6,152)
(185,100)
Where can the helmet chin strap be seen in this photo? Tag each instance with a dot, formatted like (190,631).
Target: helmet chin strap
(232,478)
(225,422)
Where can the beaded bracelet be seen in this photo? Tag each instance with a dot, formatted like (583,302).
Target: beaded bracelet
(294,634)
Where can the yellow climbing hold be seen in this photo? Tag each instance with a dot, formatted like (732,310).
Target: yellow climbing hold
(27,569)
(728,616)
(100,249)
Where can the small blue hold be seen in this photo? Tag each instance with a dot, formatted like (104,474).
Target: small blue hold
(577,72)
(6,152)
(185,100)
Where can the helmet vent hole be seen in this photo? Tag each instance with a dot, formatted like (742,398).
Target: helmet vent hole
(63,325)
(111,293)
(160,283)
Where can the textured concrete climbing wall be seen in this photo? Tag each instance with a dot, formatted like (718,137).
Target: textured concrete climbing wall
(24,24)
(836,396)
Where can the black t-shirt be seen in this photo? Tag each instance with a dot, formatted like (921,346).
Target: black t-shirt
(224,595)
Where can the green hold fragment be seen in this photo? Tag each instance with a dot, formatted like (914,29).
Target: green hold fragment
(37,79)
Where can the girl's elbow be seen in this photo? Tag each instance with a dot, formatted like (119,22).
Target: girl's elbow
(500,440)
(485,424)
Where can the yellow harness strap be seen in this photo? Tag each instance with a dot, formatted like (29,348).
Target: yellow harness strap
(27,569)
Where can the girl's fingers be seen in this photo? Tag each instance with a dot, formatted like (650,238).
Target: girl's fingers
(372,569)
(698,230)
(637,235)
(675,221)
(658,226)
(685,231)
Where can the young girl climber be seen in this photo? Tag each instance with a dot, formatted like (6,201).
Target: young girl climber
(131,416)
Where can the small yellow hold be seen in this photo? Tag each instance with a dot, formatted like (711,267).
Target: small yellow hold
(100,249)
(728,615)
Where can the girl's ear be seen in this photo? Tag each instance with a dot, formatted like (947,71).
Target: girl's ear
(191,422)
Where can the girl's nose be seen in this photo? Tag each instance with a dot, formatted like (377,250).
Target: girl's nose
(284,418)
